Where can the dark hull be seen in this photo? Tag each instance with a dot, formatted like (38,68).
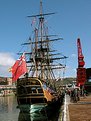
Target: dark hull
(36,101)
(41,111)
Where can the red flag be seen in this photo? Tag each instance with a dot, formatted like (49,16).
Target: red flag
(19,68)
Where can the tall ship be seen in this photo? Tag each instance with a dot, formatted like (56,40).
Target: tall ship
(36,89)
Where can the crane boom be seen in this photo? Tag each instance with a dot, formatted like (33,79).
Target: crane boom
(81,71)
(81,62)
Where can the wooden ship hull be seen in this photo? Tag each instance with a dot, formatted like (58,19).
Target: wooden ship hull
(32,91)
(37,101)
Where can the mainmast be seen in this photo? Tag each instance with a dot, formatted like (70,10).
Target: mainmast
(41,55)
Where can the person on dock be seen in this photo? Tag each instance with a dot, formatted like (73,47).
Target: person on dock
(74,95)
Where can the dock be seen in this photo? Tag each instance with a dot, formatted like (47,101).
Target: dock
(7,90)
(79,111)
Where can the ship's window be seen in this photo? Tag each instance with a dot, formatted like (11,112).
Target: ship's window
(40,90)
(33,89)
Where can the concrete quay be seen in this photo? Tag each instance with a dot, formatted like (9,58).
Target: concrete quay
(80,111)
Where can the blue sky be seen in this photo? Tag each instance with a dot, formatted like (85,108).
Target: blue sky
(72,20)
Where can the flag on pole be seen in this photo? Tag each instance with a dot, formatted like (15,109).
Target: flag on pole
(19,68)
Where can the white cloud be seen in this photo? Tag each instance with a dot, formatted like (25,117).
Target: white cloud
(6,59)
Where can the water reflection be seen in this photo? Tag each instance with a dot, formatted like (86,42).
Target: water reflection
(8,110)
(6,104)
(35,112)
(38,115)
(23,116)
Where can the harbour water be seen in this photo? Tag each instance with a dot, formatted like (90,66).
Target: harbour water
(10,112)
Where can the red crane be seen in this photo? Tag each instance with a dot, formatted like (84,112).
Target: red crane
(81,71)
(81,62)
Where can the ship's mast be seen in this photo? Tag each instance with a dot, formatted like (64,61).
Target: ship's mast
(36,48)
(41,57)
(41,21)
